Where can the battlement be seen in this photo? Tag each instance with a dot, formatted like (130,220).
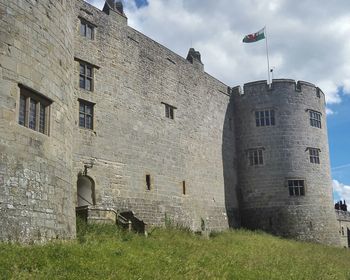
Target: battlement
(287,85)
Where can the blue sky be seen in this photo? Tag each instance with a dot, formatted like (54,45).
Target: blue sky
(141,3)
(308,40)
(339,145)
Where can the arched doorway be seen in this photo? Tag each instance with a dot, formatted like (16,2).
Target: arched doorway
(85,191)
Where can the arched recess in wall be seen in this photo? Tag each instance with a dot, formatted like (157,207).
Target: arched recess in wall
(85,191)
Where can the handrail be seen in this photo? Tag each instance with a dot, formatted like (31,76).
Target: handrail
(84,199)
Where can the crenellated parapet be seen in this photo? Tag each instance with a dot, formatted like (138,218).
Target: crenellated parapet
(286,85)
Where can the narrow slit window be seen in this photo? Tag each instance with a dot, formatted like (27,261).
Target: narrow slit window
(148,182)
(183,187)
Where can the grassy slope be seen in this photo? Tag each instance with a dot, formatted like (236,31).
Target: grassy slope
(102,252)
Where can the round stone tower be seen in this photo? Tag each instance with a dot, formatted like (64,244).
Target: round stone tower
(284,177)
(36,120)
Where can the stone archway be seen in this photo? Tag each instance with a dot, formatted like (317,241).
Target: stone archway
(85,191)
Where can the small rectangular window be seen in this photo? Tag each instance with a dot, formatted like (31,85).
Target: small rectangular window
(33,110)
(86,114)
(86,76)
(169,111)
(314,155)
(86,29)
(315,118)
(296,187)
(255,157)
(148,182)
(183,187)
(265,118)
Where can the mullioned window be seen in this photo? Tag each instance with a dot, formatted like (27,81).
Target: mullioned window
(265,118)
(296,187)
(34,110)
(315,119)
(86,114)
(87,29)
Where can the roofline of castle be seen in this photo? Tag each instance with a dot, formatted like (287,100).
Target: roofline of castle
(297,84)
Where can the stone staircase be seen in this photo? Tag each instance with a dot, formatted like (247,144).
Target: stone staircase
(124,218)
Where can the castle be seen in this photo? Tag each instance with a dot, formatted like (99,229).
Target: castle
(97,117)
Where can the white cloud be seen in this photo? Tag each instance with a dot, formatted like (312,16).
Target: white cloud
(308,40)
(329,111)
(341,191)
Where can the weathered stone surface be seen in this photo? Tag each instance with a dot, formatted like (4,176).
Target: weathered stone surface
(266,202)
(36,194)
(343,218)
(132,137)
(134,77)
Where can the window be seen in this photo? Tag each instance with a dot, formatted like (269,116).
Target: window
(265,118)
(169,111)
(296,187)
(255,157)
(86,76)
(183,187)
(86,29)
(33,110)
(148,182)
(315,118)
(314,155)
(86,114)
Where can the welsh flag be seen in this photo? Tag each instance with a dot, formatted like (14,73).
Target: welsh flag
(251,38)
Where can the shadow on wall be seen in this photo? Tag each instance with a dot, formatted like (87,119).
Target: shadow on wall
(230,168)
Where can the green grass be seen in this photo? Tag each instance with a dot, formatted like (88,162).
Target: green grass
(104,252)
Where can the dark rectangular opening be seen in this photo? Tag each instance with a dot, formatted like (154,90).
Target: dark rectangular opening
(148,182)
(183,187)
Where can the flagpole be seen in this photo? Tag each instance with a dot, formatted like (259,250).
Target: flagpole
(267,58)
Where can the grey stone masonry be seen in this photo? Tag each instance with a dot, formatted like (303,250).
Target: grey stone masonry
(98,119)
(135,80)
(285,193)
(343,218)
(37,193)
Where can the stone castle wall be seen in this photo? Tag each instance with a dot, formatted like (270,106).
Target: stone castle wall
(266,202)
(36,194)
(132,136)
(343,219)
(204,147)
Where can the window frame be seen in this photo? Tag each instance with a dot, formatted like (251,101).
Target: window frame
(296,187)
(255,156)
(30,107)
(85,114)
(314,155)
(86,24)
(315,118)
(85,76)
(169,111)
(265,117)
